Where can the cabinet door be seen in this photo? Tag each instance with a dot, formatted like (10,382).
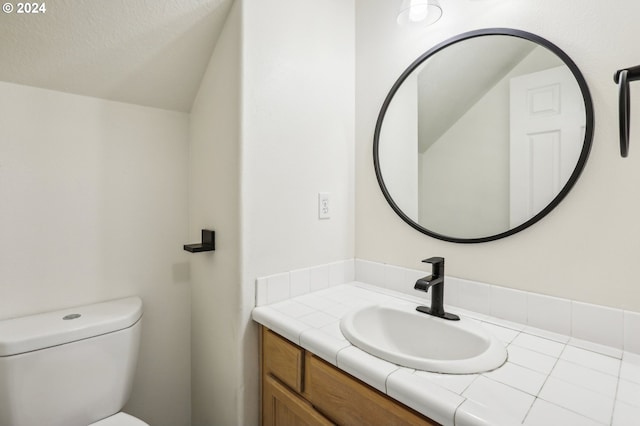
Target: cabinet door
(281,407)
(349,402)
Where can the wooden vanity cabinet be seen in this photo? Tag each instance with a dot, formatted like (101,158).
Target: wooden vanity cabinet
(298,388)
(282,407)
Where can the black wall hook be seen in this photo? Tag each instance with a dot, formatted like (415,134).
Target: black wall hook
(208,242)
(623,77)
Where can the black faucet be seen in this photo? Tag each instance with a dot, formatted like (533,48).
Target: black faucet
(435,282)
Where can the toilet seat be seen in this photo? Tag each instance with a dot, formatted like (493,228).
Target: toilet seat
(120,419)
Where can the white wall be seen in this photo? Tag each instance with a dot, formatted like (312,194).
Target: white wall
(214,161)
(298,129)
(586,249)
(298,140)
(93,206)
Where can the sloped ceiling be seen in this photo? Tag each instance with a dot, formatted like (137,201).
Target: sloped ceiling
(146,52)
(454,79)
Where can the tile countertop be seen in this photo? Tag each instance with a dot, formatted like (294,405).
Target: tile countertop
(548,379)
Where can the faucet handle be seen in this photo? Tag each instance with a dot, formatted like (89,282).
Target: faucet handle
(437,268)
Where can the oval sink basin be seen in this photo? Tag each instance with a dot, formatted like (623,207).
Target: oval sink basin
(401,335)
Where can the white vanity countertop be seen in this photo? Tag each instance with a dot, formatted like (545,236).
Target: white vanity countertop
(548,379)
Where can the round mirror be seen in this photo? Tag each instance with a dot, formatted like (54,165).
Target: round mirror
(483,135)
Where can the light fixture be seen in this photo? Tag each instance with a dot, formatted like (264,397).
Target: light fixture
(419,12)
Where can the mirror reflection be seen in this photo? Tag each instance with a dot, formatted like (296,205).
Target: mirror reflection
(481,136)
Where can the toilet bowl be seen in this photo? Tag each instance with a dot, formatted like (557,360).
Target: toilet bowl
(72,367)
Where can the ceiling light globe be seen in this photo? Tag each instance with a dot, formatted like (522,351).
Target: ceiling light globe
(419,12)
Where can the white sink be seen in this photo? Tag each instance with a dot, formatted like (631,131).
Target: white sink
(403,336)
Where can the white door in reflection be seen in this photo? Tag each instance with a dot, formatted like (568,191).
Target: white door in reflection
(546,132)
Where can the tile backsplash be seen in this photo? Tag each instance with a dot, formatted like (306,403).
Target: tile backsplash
(283,286)
(588,325)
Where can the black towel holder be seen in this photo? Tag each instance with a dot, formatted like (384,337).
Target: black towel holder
(208,242)
(622,78)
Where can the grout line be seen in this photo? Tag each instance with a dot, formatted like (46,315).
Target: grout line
(455,412)
(615,399)
(386,379)
(524,419)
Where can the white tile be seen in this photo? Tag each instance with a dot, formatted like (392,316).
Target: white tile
(292,308)
(323,344)
(505,335)
(474,296)
(629,393)
(632,332)
(357,303)
(318,277)
(630,368)
(338,310)
(417,392)
(284,325)
(625,415)
(596,347)
(315,301)
(371,370)
(508,304)
(578,399)
(505,323)
(342,293)
(413,275)
(538,344)
(531,359)
(377,296)
(261,291)
(341,272)
(317,319)
(586,377)
(472,413)
(394,279)
(499,397)
(452,291)
(370,272)
(599,324)
(277,288)
(299,282)
(546,334)
(333,329)
(470,314)
(518,377)
(631,357)
(544,413)
(349,270)
(549,313)
(457,383)
(595,361)
(423,296)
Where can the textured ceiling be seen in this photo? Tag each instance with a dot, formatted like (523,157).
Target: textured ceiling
(146,52)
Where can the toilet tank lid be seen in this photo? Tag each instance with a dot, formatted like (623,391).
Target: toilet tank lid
(33,332)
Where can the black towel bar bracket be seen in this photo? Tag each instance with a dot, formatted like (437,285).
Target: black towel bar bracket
(622,78)
(208,242)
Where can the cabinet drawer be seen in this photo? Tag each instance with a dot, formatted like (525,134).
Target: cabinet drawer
(282,359)
(335,394)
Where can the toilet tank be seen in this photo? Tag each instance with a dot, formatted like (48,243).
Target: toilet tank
(70,367)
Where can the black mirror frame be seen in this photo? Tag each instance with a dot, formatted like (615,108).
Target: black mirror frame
(584,154)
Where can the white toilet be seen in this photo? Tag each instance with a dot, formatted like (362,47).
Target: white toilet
(72,367)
